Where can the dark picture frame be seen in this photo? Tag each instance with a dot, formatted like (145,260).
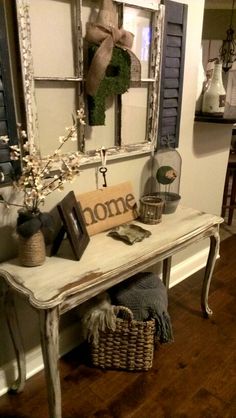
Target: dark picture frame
(73,225)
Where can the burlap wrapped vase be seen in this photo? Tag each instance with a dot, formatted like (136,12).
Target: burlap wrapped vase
(32,251)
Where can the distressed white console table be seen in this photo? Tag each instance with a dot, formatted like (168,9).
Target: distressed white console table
(62,284)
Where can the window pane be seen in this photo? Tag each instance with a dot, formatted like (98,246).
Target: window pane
(134,115)
(138,21)
(55,104)
(52,38)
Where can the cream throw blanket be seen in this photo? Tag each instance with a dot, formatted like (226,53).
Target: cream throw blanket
(97,315)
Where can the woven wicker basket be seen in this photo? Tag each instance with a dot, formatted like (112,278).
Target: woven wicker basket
(129,347)
(151,208)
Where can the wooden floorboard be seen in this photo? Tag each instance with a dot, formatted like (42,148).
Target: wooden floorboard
(193,377)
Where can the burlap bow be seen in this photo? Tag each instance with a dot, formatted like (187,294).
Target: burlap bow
(107,36)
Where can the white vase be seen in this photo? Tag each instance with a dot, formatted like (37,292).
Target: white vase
(215,94)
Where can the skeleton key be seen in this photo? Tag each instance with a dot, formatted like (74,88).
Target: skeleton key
(103,171)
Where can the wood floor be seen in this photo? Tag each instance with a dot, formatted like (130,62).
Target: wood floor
(194,377)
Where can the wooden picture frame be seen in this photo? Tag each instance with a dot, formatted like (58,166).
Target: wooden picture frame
(73,225)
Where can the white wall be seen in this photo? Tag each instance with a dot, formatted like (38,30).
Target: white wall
(204,151)
(203,147)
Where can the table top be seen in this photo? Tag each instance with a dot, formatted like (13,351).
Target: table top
(106,261)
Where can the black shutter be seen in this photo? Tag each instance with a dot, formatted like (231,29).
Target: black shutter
(7,106)
(172,70)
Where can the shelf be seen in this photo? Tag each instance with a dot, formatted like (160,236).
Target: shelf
(214,119)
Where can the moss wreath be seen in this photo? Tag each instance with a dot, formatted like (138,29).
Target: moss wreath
(116,81)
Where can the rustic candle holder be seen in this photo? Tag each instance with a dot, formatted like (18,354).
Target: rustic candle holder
(151,208)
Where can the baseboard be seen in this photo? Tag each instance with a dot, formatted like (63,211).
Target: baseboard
(188,267)
(69,337)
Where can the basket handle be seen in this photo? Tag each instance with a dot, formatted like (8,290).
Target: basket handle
(128,314)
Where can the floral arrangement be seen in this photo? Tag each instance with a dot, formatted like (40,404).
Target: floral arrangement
(42,176)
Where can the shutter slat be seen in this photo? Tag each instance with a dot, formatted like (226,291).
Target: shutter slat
(171,93)
(1,99)
(173,29)
(3,128)
(170,112)
(173,62)
(173,52)
(2,113)
(169,130)
(4,153)
(172,72)
(171,83)
(167,103)
(174,41)
(169,121)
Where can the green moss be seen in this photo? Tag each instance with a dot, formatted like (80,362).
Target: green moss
(116,81)
(166,174)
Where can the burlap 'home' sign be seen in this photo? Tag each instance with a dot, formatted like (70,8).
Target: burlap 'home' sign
(108,207)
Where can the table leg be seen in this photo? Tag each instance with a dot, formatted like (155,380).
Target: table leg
(213,252)
(166,271)
(14,329)
(49,323)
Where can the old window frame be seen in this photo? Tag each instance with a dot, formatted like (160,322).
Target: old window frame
(119,150)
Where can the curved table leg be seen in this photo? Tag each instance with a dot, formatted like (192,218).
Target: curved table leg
(14,330)
(213,252)
(49,322)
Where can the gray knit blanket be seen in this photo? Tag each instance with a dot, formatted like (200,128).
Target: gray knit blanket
(146,296)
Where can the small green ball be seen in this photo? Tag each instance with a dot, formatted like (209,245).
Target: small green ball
(166,174)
